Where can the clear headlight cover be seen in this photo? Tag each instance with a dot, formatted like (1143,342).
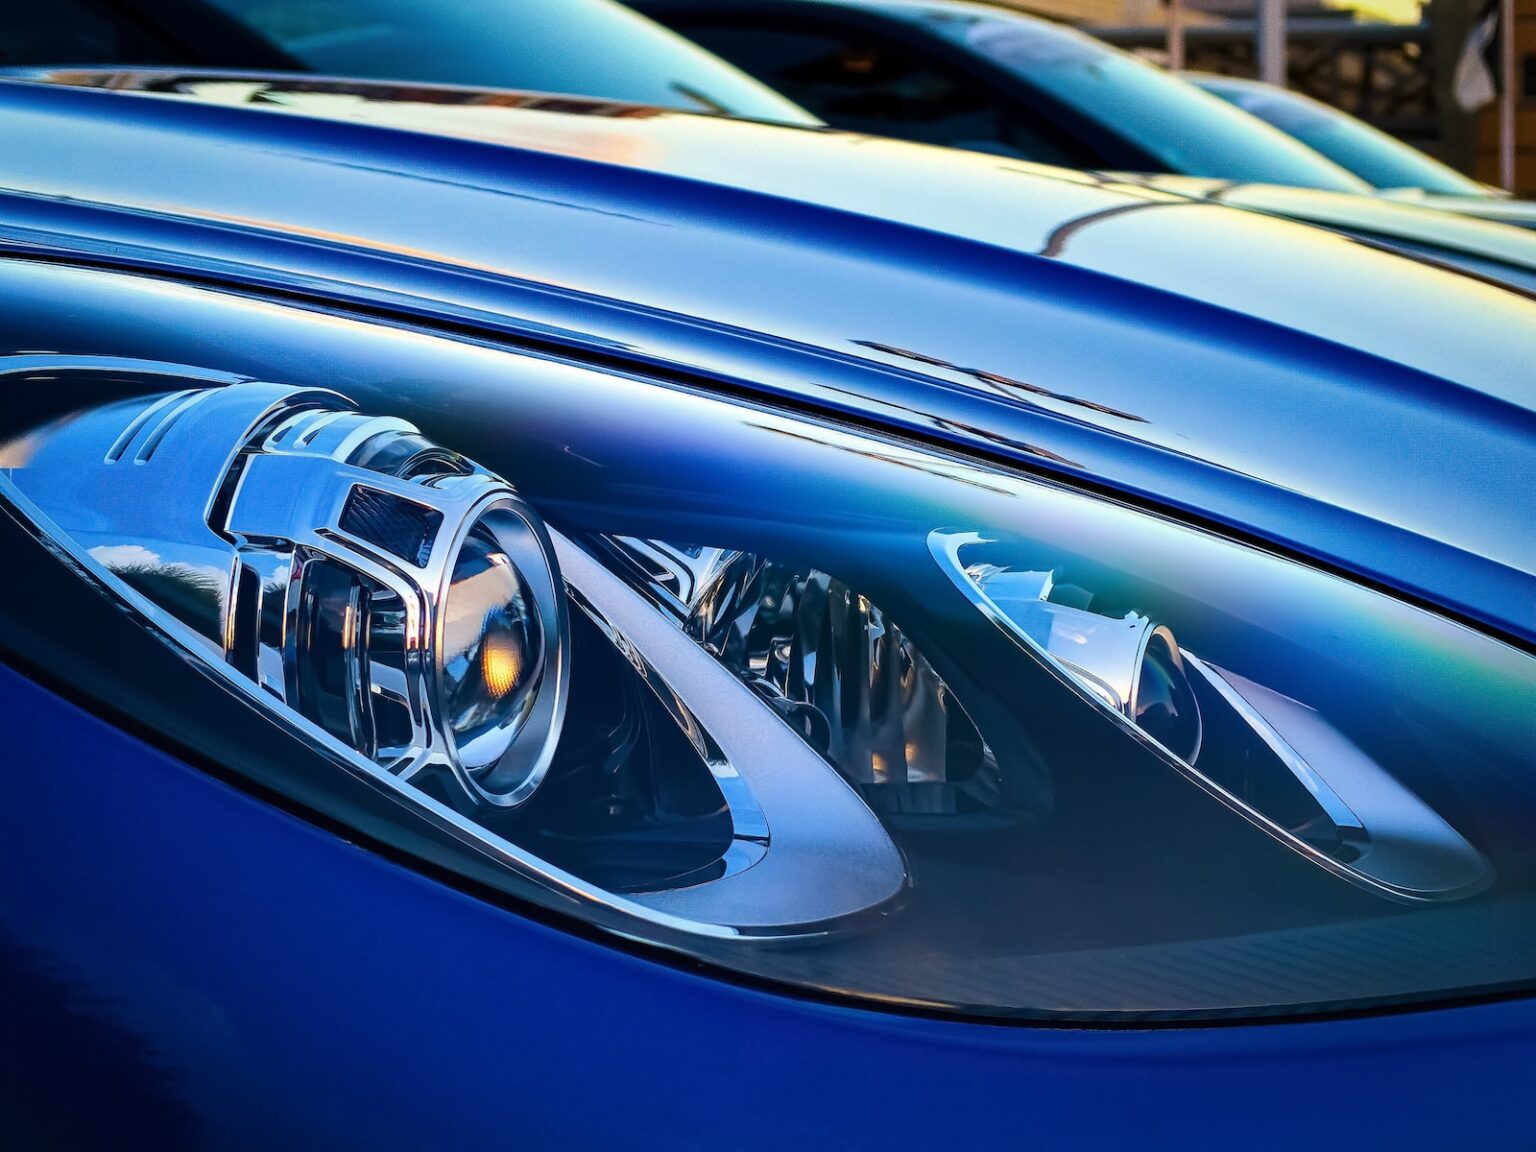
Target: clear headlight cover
(826,708)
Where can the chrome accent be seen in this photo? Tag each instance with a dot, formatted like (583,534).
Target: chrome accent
(834,665)
(1109,656)
(1402,843)
(256,489)
(675,575)
(1350,826)
(291,499)
(826,850)
(1398,846)
(749,827)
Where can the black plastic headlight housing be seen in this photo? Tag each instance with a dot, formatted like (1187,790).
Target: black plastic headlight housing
(817,705)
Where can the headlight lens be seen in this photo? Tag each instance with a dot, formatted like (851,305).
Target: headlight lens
(963,739)
(492,651)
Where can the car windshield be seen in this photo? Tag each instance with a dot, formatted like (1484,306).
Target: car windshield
(581,47)
(1367,152)
(1189,131)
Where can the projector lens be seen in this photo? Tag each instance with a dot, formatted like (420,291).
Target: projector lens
(492,650)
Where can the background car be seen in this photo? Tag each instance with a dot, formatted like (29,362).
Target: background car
(980,78)
(977,76)
(1481,247)
(1384,161)
(587,47)
(600,49)
(588,626)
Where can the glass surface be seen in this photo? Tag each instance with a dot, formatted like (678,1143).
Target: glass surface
(78,32)
(1165,706)
(581,47)
(1102,879)
(1382,852)
(1187,131)
(1381,160)
(860,81)
(491,646)
(855,688)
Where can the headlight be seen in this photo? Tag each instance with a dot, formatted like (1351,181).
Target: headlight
(379,586)
(947,736)
(408,610)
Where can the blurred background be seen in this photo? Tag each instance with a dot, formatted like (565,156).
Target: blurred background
(1453,78)
(1393,63)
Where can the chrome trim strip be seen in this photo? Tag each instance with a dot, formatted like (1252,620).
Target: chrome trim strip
(1339,812)
(828,856)
(138,423)
(1473,875)
(1402,842)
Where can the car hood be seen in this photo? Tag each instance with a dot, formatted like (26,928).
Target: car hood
(1495,208)
(1284,381)
(1423,225)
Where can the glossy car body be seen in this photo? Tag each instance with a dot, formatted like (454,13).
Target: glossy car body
(951,75)
(1385,162)
(592,48)
(243,977)
(1444,234)
(963,75)
(971,75)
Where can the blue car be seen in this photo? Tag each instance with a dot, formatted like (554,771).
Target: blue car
(1384,161)
(542,623)
(581,47)
(977,76)
(933,72)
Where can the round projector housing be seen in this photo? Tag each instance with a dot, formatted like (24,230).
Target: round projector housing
(386,589)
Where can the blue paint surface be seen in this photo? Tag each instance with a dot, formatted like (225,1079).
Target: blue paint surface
(216,972)
(278,986)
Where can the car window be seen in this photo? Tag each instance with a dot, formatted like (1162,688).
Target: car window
(1187,131)
(1366,151)
(581,47)
(861,81)
(76,32)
